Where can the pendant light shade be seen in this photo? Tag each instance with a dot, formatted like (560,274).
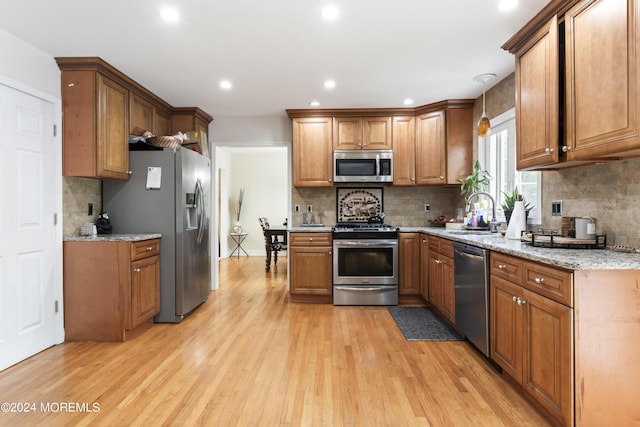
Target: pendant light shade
(484,125)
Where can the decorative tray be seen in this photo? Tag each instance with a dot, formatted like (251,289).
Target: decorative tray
(558,241)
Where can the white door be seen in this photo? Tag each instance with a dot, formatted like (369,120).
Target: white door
(27,232)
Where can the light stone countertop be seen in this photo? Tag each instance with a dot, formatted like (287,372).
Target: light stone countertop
(310,229)
(113,238)
(572,259)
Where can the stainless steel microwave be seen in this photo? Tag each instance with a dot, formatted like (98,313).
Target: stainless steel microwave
(363,166)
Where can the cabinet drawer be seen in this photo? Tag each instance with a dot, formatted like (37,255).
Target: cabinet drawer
(310,239)
(446,248)
(434,243)
(548,281)
(144,249)
(507,267)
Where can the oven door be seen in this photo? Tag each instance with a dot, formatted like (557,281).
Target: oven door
(365,262)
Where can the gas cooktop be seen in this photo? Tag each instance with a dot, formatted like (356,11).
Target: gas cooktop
(363,226)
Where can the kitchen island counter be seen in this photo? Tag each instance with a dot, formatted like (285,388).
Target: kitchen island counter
(572,259)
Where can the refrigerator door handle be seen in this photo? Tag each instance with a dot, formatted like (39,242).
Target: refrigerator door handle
(200,205)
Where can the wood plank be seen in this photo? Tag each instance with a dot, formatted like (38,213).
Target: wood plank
(248,356)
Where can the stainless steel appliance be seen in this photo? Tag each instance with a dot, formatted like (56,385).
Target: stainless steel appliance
(168,192)
(471,272)
(363,166)
(365,264)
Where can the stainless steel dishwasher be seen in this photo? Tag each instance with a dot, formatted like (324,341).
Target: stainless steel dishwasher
(471,272)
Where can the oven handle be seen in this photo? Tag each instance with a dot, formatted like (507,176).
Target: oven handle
(365,243)
(362,288)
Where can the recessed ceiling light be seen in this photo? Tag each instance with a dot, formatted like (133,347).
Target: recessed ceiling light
(169,14)
(330,13)
(225,84)
(329,84)
(507,5)
(407,101)
(314,103)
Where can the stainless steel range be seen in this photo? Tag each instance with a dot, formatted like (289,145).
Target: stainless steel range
(365,264)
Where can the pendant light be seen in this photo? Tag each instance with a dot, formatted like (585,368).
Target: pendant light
(483,124)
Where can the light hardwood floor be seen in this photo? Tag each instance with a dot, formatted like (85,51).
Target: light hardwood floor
(248,357)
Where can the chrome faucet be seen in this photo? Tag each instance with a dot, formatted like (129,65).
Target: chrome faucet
(493,224)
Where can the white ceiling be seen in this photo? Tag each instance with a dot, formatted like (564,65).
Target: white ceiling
(278,54)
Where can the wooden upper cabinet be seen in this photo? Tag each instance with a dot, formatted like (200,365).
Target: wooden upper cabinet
(602,74)
(404,150)
(312,152)
(95,129)
(149,116)
(444,144)
(362,133)
(101,106)
(537,100)
(430,149)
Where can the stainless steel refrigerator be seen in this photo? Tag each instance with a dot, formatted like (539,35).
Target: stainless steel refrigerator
(168,192)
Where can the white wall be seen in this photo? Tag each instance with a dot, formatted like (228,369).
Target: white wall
(24,63)
(263,173)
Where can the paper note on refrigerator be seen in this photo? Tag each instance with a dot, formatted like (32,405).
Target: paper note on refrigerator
(154,177)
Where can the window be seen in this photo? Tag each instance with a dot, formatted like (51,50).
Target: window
(497,154)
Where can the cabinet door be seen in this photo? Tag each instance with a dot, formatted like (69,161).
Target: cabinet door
(404,150)
(347,133)
(435,281)
(161,122)
(312,155)
(113,129)
(145,289)
(548,356)
(141,113)
(506,327)
(602,77)
(376,133)
(448,289)
(537,99)
(311,270)
(424,267)
(430,149)
(409,265)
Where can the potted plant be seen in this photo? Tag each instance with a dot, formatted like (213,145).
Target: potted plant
(477,181)
(510,200)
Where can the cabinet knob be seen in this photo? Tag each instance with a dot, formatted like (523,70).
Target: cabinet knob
(441,177)
(548,150)
(521,301)
(565,148)
(539,280)
(130,172)
(149,248)
(501,266)
(413,179)
(515,299)
(137,270)
(438,261)
(311,239)
(329,252)
(424,241)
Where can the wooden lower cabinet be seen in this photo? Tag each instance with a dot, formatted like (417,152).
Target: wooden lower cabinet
(441,278)
(424,267)
(409,264)
(111,288)
(532,341)
(310,267)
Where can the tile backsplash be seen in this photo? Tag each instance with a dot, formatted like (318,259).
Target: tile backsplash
(77,194)
(403,206)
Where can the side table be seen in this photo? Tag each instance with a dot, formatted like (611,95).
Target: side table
(238,238)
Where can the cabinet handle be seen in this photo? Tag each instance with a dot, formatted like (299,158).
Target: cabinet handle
(137,270)
(539,280)
(502,266)
(565,148)
(149,248)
